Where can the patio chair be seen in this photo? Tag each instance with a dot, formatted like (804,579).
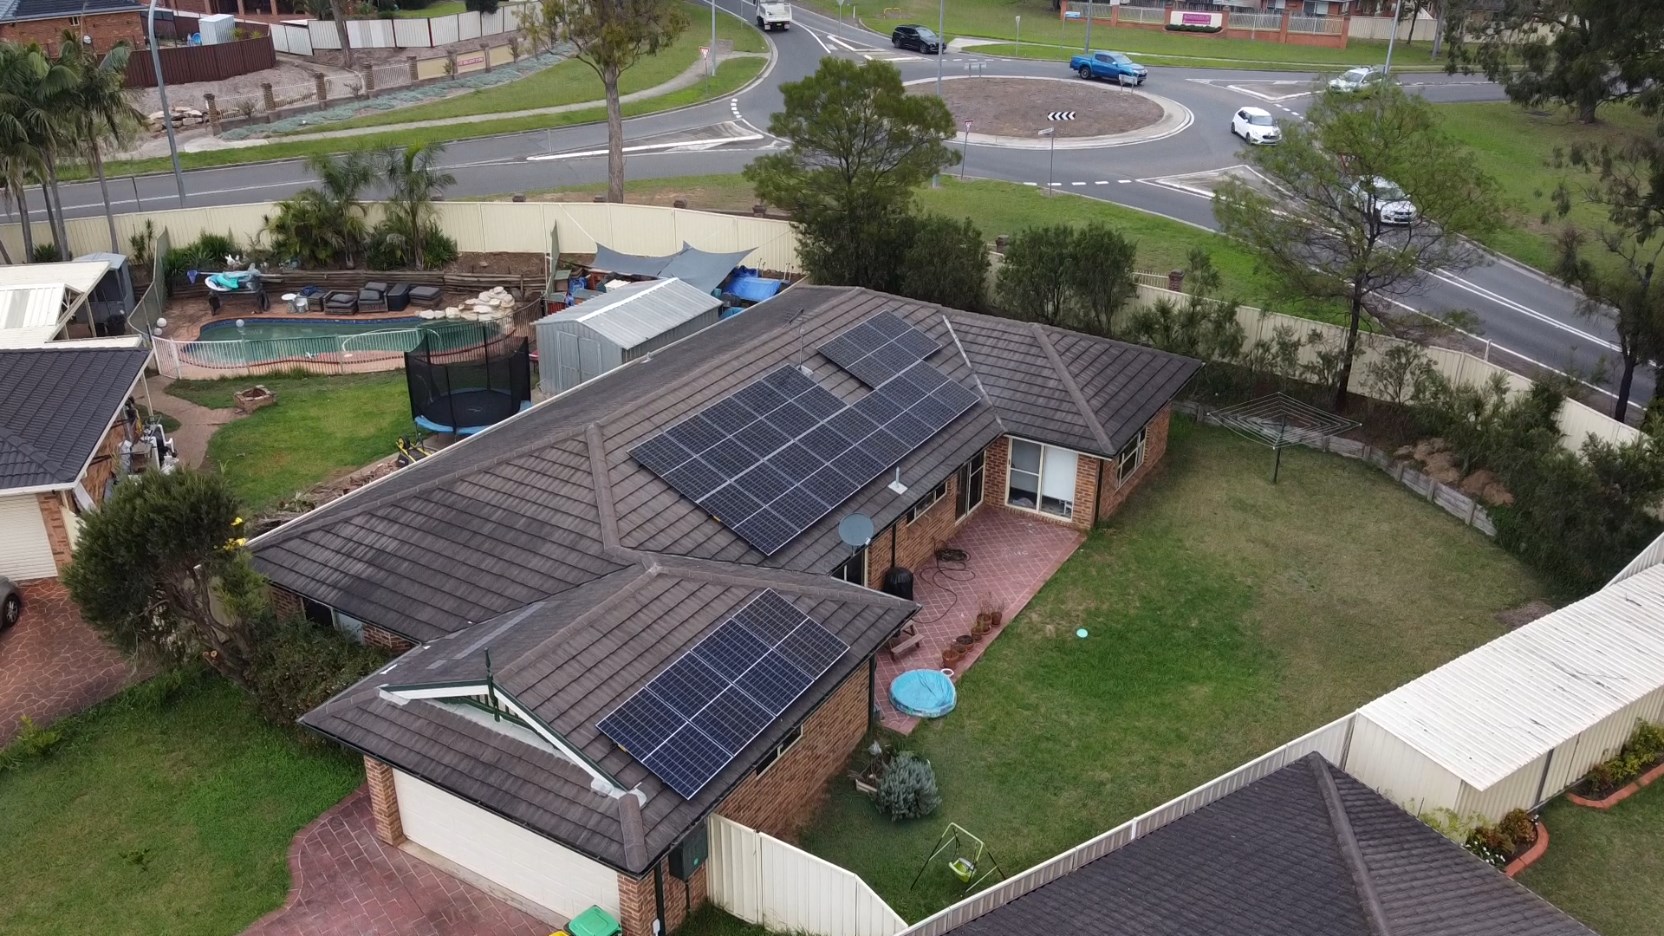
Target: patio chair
(426,296)
(341,302)
(373,297)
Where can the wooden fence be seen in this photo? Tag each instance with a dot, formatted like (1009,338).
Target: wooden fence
(184,64)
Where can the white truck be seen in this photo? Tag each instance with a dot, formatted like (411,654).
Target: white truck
(773,14)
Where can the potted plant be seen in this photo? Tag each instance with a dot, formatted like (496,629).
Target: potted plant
(952,654)
(988,616)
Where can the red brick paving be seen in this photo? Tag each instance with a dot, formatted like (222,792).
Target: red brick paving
(1009,555)
(52,664)
(346,882)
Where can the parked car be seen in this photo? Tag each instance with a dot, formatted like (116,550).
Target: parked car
(1361,80)
(1384,200)
(917,38)
(1257,126)
(1109,65)
(11,603)
(773,15)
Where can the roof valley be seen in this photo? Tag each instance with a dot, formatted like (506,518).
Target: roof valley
(1347,841)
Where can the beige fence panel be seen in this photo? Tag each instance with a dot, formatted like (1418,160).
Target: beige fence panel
(763,880)
(1262,22)
(1319,25)
(1145,15)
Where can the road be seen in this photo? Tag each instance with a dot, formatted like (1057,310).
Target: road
(1522,313)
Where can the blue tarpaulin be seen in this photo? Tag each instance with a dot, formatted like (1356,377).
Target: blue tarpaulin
(923,693)
(751,288)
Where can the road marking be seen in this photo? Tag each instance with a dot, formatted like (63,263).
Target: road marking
(1077,183)
(1031,184)
(688,145)
(1271,98)
(1101,182)
(1124,181)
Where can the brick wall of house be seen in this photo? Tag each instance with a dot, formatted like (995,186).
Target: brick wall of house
(106,30)
(1111,497)
(385,639)
(781,800)
(916,542)
(994,486)
(286,603)
(384,802)
(1087,478)
(105,461)
(636,906)
(52,508)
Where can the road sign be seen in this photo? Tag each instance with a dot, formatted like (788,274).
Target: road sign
(1056,116)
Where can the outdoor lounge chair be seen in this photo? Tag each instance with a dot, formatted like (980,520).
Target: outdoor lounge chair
(373,297)
(398,297)
(341,302)
(426,296)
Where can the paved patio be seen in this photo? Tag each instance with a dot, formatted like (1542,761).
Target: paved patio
(345,881)
(52,664)
(1009,555)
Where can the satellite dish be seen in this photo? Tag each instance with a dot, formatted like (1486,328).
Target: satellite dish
(855,530)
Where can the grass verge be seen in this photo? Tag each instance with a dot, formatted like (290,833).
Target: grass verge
(1184,57)
(160,816)
(1517,146)
(730,77)
(1604,867)
(320,428)
(1226,615)
(444,8)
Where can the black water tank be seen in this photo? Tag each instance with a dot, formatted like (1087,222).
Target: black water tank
(898,582)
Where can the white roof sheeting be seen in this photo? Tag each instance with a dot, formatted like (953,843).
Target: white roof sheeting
(79,275)
(639,312)
(1491,711)
(30,315)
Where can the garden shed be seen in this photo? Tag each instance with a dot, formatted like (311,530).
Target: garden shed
(618,326)
(1520,719)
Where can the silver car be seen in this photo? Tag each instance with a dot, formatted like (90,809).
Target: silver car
(1386,201)
(11,603)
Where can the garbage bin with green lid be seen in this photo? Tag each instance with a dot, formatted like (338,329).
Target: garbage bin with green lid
(594,922)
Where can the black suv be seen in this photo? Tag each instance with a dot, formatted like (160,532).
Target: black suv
(917,38)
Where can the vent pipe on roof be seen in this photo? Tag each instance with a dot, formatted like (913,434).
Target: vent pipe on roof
(896,485)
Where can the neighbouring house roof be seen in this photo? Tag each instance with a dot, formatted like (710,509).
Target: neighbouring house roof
(1583,663)
(570,660)
(639,312)
(704,270)
(528,508)
(1304,851)
(31,315)
(55,406)
(55,9)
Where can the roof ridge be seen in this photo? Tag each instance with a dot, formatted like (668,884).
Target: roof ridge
(604,506)
(1069,384)
(1375,915)
(715,570)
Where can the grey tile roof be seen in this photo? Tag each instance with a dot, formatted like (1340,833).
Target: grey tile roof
(517,513)
(570,660)
(55,405)
(1305,851)
(53,9)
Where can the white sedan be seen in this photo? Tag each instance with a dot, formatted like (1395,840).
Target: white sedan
(1257,126)
(1385,201)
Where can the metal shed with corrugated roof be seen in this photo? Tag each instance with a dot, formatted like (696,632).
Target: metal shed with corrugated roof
(587,340)
(1522,718)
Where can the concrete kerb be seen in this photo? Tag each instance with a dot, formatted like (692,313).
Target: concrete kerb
(1175,119)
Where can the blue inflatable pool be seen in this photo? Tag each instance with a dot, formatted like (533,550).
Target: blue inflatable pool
(923,693)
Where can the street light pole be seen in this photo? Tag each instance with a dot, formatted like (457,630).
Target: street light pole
(941,41)
(711,70)
(167,113)
(1051,159)
(1019,35)
(1392,37)
(1087,47)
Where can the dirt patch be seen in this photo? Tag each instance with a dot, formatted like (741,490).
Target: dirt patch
(1020,107)
(1518,617)
(533,266)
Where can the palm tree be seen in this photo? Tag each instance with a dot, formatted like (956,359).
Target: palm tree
(414,179)
(102,110)
(31,92)
(44,91)
(18,157)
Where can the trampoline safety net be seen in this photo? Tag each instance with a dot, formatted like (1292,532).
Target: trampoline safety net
(467,389)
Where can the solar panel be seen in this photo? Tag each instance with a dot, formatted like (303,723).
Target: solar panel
(878,348)
(702,710)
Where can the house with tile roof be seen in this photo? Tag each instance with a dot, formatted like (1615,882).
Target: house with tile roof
(100,24)
(630,607)
(65,410)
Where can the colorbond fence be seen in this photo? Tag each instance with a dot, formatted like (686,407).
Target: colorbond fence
(304,37)
(184,64)
(765,881)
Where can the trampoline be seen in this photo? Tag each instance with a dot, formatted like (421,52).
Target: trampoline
(923,693)
(462,391)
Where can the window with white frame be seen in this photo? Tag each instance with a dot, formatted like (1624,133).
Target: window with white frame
(928,501)
(1042,478)
(779,749)
(1130,458)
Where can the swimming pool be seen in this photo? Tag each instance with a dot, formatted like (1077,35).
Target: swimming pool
(260,340)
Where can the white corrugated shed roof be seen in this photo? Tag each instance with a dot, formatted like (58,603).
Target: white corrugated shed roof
(79,275)
(1493,710)
(640,312)
(30,315)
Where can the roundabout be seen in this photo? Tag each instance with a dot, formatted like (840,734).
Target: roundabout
(1017,111)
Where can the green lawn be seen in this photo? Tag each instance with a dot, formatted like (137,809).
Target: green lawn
(1517,147)
(1178,50)
(320,428)
(444,8)
(569,82)
(171,819)
(730,77)
(711,920)
(1604,867)
(1226,616)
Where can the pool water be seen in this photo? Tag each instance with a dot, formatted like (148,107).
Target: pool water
(266,329)
(268,340)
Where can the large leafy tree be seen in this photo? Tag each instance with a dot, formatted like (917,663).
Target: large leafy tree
(147,563)
(1317,228)
(1576,53)
(1034,279)
(860,146)
(610,36)
(415,181)
(1100,276)
(947,263)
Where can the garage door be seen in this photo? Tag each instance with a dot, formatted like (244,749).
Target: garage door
(501,852)
(25,552)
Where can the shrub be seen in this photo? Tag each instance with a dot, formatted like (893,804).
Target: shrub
(482,6)
(1648,740)
(1518,827)
(947,263)
(46,253)
(908,788)
(300,665)
(390,247)
(32,743)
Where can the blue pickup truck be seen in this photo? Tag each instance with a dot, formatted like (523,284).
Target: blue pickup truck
(1113,66)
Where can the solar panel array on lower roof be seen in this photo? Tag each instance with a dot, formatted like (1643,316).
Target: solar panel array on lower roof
(879,348)
(701,711)
(782,452)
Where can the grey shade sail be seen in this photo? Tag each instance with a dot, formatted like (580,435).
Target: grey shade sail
(701,269)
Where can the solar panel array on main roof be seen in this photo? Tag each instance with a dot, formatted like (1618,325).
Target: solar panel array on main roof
(782,452)
(701,711)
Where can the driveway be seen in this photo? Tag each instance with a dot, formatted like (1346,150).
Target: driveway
(52,664)
(345,881)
